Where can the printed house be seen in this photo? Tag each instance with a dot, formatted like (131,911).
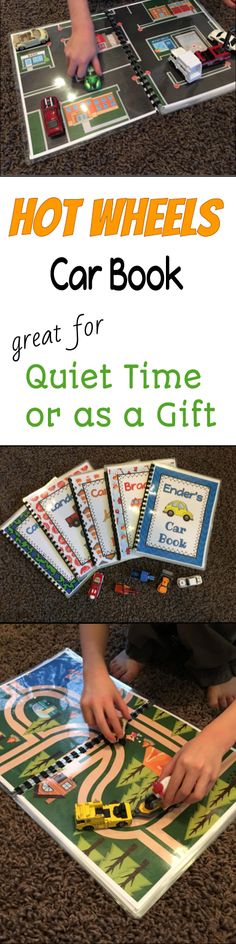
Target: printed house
(90,108)
(53,787)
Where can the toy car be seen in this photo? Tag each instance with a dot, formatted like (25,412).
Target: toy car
(178,508)
(228,40)
(152,801)
(96,586)
(52,118)
(124,588)
(30,39)
(142,575)
(92,81)
(97,816)
(186,62)
(212,56)
(189,581)
(164,582)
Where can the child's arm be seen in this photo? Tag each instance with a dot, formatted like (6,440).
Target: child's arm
(100,698)
(81,48)
(195,768)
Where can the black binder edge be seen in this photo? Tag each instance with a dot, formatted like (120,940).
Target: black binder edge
(113,520)
(72,755)
(83,524)
(144,504)
(148,87)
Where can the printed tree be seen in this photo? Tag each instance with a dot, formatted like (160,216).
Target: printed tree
(38,763)
(115,858)
(124,870)
(180,727)
(140,787)
(131,772)
(159,714)
(205,816)
(223,792)
(90,849)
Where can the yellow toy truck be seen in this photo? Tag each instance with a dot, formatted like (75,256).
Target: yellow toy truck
(97,816)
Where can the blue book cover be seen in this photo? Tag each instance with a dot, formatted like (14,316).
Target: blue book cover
(176,516)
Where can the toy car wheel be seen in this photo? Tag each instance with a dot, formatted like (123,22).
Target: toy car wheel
(119,826)
(170,514)
(186,517)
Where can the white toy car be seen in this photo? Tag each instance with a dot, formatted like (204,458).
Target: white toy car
(183,582)
(186,62)
(219,36)
(31,38)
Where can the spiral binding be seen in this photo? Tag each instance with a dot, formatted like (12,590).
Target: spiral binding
(148,88)
(51,538)
(144,503)
(68,758)
(23,551)
(83,523)
(113,520)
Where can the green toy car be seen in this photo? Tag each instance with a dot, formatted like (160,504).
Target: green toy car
(92,81)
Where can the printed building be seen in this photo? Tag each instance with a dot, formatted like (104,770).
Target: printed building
(106,41)
(90,108)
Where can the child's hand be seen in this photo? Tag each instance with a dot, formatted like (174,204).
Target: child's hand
(100,702)
(230,3)
(193,770)
(81,49)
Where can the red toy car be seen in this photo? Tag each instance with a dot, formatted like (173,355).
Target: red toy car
(213,55)
(52,118)
(124,589)
(96,586)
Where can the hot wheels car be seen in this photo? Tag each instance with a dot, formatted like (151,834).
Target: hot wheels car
(142,575)
(52,118)
(228,40)
(189,581)
(92,81)
(186,62)
(124,588)
(178,508)
(153,800)
(96,815)
(212,56)
(96,586)
(164,582)
(30,39)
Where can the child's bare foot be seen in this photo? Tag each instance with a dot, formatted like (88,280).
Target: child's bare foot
(220,696)
(124,668)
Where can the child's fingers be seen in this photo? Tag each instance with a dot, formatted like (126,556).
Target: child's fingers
(82,68)
(96,65)
(103,725)
(113,719)
(72,67)
(123,707)
(173,786)
(88,716)
(168,769)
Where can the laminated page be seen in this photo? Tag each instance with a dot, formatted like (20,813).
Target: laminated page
(53,766)
(176,517)
(54,508)
(91,497)
(32,541)
(126,485)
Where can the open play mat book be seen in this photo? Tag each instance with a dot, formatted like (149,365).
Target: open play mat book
(135,43)
(49,761)
(88,519)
